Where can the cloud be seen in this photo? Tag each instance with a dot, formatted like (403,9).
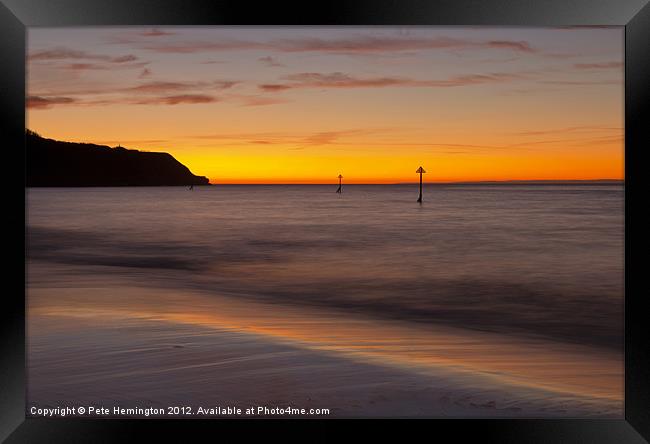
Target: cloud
(136,36)
(581,82)
(84,66)
(154,92)
(157,87)
(325,137)
(519,46)
(225,84)
(156,33)
(604,65)
(162,87)
(274,87)
(146,72)
(394,137)
(99,66)
(566,142)
(40,102)
(194,47)
(352,45)
(570,129)
(370,44)
(271,62)
(475,79)
(44,102)
(67,54)
(124,59)
(61,54)
(341,80)
(176,99)
(296,140)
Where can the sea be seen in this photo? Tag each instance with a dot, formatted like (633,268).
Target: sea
(522,261)
(543,260)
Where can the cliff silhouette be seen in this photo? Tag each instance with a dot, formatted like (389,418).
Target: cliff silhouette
(52,163)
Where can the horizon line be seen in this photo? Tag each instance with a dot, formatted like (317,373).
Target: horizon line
(463,182)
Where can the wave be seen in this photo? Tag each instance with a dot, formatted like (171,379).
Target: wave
(306,269)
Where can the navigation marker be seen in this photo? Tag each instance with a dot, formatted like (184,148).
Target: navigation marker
(420,171)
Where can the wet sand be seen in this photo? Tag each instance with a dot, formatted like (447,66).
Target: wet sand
(128,345)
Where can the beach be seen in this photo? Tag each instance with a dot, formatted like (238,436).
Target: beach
(361,304)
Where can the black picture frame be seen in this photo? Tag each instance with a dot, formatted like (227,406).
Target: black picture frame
(17,15)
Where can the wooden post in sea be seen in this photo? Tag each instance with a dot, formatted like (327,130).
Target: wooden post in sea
(339,190)
(420,170)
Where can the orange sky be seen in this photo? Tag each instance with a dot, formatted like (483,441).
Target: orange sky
(302,105)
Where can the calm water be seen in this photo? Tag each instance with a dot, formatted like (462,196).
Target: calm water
(543,261)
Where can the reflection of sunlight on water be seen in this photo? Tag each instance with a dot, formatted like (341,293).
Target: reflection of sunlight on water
(576,370)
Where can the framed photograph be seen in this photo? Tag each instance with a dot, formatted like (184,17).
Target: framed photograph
(355,210)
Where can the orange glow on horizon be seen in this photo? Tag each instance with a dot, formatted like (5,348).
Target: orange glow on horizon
(379,167)
(366,163)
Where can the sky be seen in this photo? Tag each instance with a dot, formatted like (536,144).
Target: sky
(305,104)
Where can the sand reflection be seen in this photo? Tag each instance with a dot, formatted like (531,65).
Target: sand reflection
(533,363)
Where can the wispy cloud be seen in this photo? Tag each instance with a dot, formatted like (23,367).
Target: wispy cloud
(329,137)
(153,93)
(156,33)
(143,93)
(39,102)
(124,59)
(371,138)
(68,54)
(581,82)
(85,66)
(224,84)
(271,62)
(351,45)
(570,129)
(295,141)
(139,35)
(146,73)
(175,99)
(603,65)
(585,140)
(71,60)
(373,44)
(341,80)
(44,102)
(157,87)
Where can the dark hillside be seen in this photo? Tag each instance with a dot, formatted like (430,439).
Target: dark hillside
(50,163)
